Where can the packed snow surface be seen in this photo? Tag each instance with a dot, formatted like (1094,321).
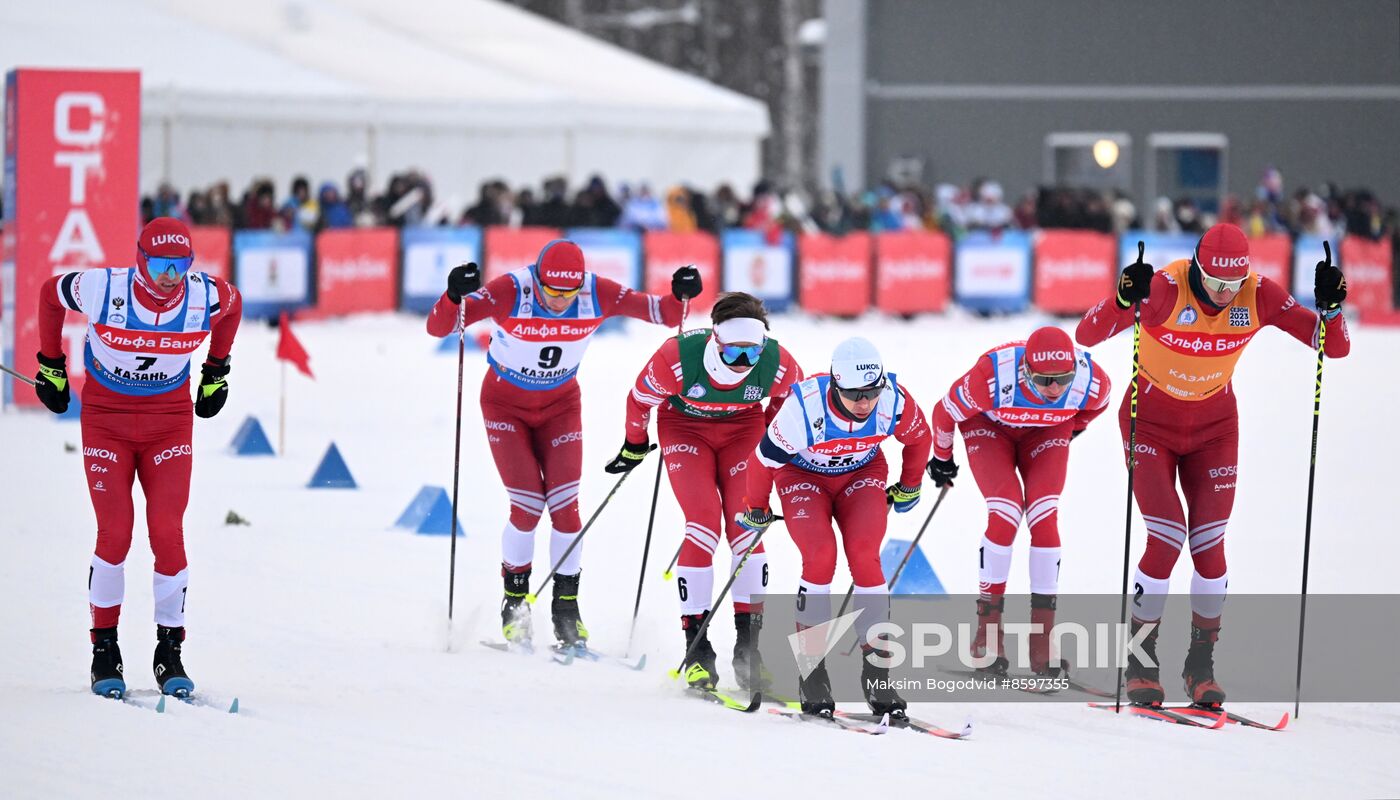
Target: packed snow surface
(331,627)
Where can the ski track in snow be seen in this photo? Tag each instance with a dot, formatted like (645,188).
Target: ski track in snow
(331,627)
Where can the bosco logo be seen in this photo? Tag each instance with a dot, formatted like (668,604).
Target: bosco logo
(172,452)
(571,436)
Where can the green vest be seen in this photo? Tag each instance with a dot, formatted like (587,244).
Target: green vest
(700,398)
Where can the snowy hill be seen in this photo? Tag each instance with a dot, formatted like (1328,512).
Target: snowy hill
(331,628)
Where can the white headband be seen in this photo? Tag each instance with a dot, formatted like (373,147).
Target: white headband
(741,329)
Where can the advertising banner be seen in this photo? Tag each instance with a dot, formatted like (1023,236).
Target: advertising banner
(355,270)
(666,252)
(1367,266)
(758,266)
(912,271)
(428,255)
(833,273)
(993,273)
(512,248)
(213,249)
(1073,270)
(611,253)
(1272,257)
(72,145)
(272,271)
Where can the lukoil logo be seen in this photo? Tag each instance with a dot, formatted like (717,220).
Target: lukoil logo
(1229,263)
(169,238)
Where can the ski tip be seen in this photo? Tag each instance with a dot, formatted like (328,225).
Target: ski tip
(233,707)
(1283,721)
(1220,721)
(160,705)
(640,665)
(754,703)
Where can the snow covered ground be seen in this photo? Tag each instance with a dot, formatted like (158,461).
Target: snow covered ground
(331,627)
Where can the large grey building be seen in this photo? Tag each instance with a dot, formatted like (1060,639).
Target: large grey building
(1197,97)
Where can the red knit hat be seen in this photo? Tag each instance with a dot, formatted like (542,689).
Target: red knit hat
(165,237)
(1049,351)
(560,265)
(1223,252)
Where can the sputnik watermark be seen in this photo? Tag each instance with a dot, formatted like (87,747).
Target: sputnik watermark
(1074,642)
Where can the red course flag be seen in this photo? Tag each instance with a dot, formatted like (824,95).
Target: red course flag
(289,349)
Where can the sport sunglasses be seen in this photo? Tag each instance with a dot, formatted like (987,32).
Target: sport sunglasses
(173,268)
(1217,285)
(864,393)
(733,352)
(553,292)
(1061,379)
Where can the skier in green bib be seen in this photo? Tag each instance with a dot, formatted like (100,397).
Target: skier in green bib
(710,384)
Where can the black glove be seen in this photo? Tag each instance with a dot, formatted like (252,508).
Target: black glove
(213,388)
(462,281)
(1135,282)
(685,283)
(1329,285)
(942,472)
(627,458)
(51,384)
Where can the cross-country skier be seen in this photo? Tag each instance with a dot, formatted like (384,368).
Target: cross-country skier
(1018,408)
(144,325)
(545,316)
(1198,315)
(822,451)
(712,382)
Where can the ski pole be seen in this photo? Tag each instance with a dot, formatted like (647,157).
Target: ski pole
(902,562)
(709,615)
(651,518)
(456,458)
(1312,474)
(24,378)
(535,595)
(1132,462)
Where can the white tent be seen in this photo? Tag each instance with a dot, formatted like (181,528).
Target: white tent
(464,90)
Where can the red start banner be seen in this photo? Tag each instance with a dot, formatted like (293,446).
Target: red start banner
(213,245)
(665,252)
(356,270)
(1073,270)
(1272,256)
(833,273)
(912,273)
(72,154)
(1367,265)
(512,248)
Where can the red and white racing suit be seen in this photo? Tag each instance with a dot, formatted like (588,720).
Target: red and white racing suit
(530,397)
(137,415)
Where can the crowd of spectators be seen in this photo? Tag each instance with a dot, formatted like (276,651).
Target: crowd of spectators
(408,200)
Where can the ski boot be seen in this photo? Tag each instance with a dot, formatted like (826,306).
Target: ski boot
(106,672)
(1144,684)
(879,694)
(700,670)
(989,608)
(814,692)
(568,625)
(1199,672)
(748,662)
(515,612)
(170,673)
(1042,614)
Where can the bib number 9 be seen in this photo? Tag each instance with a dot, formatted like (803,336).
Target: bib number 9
(549,356)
